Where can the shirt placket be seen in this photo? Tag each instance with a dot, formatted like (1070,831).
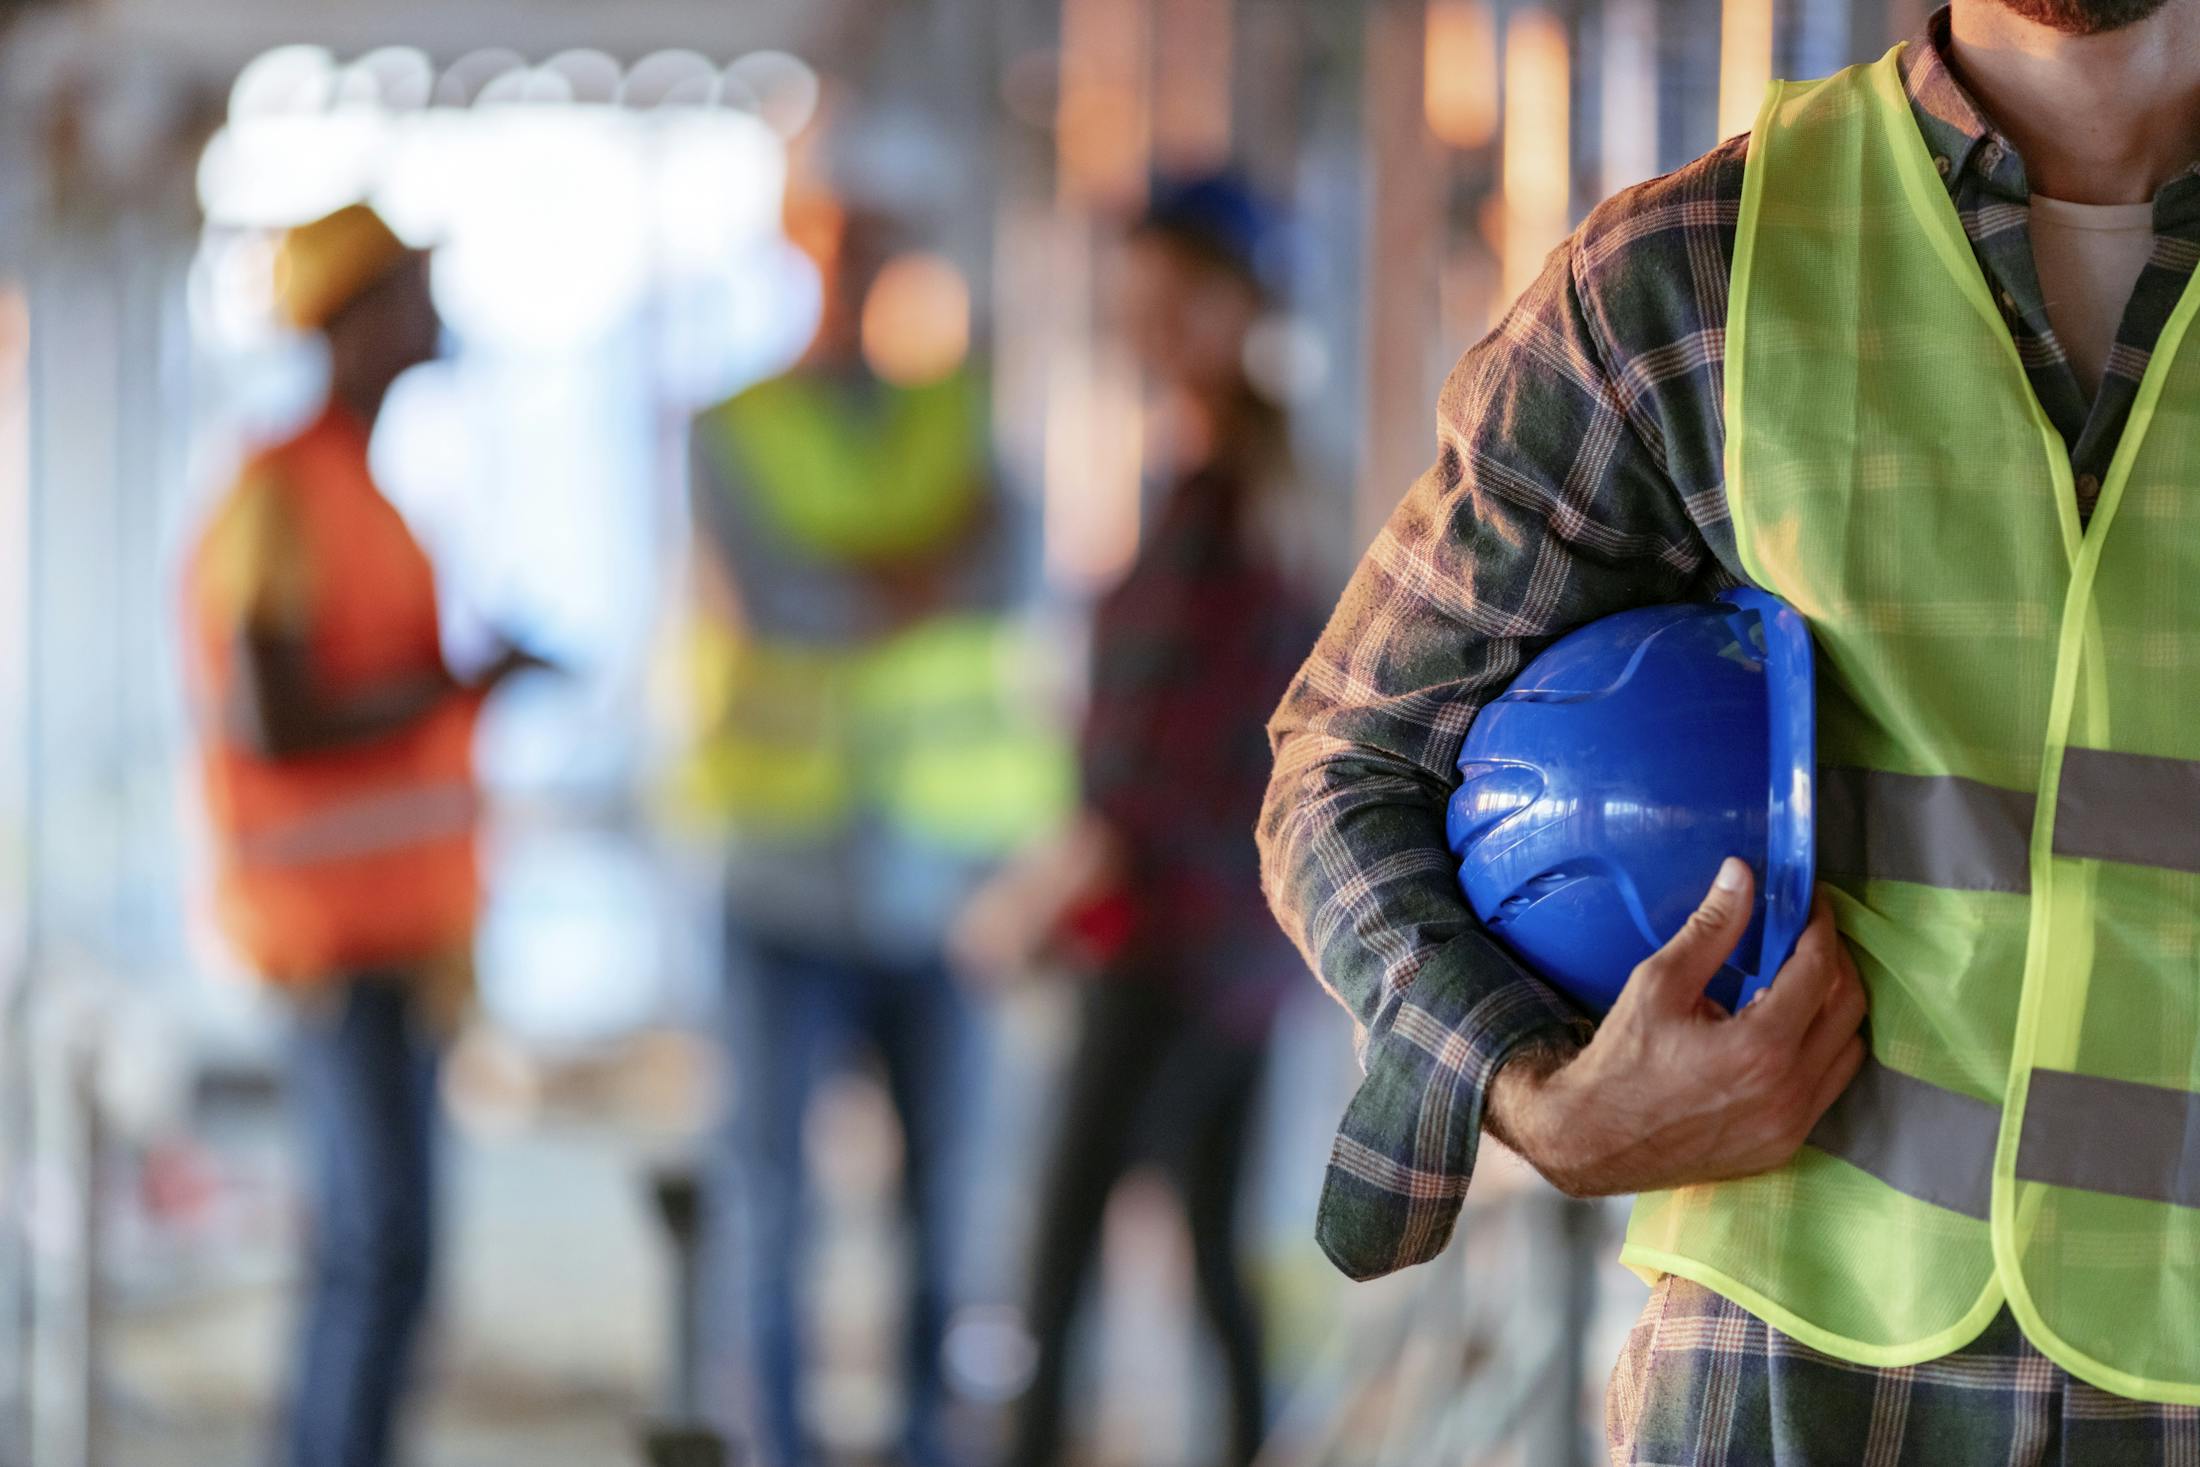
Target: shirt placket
(2161,284)
(1993,197)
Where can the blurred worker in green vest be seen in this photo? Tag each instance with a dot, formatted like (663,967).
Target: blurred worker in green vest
(870,748)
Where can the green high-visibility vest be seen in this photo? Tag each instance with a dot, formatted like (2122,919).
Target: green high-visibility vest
(2009,800)
(934,728)
(953,744)
(773,754)
(893,476)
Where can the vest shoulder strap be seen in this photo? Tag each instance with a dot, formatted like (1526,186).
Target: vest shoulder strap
(888,477)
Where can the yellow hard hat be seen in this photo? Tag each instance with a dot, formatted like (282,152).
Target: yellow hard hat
(323,266)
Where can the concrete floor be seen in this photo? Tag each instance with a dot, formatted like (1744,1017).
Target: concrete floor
(547,1347)
(550,1342)
(551,1338)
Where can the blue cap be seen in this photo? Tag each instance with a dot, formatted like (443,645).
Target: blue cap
(1602,789)
(1221,214)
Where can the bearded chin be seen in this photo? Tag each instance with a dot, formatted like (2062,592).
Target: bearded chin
(2084,17)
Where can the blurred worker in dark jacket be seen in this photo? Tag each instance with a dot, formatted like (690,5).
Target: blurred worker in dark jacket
(868,745)
(1156,886)
(337,756)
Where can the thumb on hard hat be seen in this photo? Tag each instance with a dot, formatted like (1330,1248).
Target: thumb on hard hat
(1679,972)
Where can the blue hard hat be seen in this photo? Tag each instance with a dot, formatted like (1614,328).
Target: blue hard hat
(1226,217)
(1602,789)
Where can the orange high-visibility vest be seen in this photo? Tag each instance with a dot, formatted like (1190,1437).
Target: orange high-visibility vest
(360,856)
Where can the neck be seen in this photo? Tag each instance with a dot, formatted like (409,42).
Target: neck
(2100,119)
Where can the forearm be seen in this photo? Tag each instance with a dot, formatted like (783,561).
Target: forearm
(1508,1107)
(280,709)
(377,712)
(1076,867)
(1355,867)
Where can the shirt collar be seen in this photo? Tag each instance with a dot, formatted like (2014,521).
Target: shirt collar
(1966,145)
(1957,133)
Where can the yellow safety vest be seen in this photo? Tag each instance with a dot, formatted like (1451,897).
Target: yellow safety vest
(771,753)
(953,742)
(895,481)
(2010,795)
(934,728)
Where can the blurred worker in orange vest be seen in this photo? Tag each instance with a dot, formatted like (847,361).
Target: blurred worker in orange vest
(337,756)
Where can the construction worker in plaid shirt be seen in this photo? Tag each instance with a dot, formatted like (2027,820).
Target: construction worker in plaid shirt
(1958,282)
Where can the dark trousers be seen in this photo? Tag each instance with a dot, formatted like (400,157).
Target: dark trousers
(798,1018)
(1149,1081)
(364,1088)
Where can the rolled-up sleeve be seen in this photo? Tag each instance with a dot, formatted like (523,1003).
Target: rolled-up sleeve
(1546,508)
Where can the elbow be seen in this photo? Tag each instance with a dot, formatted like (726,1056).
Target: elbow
(1274,838)
(257,724)
(1283,803)
(1308,797)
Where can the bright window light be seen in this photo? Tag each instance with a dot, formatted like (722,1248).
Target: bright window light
(1460,72)
(718,181)
(292,79)
(592,75)
(395,78)
(548,238)
(671,79)
(272,171)
(464,78)
(1745,62)
(549,208)
(784,87)
(1537,177)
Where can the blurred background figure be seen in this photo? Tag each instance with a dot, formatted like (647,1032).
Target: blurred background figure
(337,755)
(871,746)
(1155,886)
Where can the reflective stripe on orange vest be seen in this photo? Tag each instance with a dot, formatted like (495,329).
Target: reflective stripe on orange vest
(372,825)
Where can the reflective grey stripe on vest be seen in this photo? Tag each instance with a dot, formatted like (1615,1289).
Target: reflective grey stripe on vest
(364,827)
(1925,1142)
(1942,830)
(2114,1136)
(2133,808)
(1934,829)
(2080,1131)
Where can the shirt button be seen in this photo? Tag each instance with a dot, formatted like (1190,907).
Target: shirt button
(1940,164)
(2008,305)
(1992,156)
(2088,486)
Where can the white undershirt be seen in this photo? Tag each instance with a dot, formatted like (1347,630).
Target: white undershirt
(2089,257)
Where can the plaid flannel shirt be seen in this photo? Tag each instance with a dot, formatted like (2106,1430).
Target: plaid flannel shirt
(1700,1380)
(1578,473)
(1189,652)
